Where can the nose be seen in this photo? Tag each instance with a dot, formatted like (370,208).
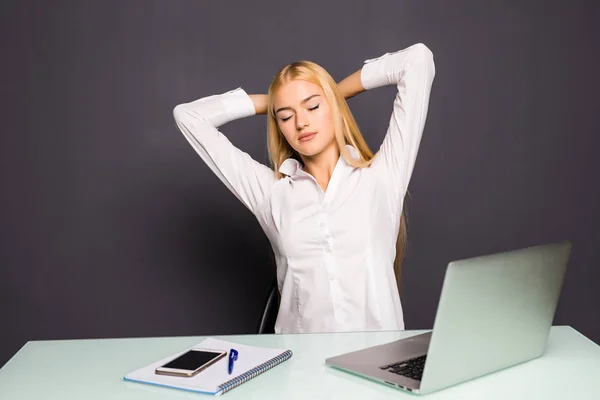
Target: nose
(301,121)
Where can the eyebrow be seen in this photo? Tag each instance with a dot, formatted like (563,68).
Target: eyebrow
(302,102)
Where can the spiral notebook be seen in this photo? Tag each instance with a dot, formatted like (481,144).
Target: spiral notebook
(252,361)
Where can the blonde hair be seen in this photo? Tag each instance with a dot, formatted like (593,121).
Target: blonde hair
(346,131)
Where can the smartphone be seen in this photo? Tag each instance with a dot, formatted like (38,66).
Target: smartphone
(191,362)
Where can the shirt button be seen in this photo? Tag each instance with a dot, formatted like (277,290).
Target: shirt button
(320,224)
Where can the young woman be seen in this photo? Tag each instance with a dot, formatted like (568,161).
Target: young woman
(332,210)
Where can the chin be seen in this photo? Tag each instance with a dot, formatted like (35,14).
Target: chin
(309,150)
(312,148)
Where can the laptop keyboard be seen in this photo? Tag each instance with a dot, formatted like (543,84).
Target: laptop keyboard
(412,368)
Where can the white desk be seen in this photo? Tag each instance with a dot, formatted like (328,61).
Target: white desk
(94,369)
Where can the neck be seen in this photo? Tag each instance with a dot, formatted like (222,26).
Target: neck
(321,165)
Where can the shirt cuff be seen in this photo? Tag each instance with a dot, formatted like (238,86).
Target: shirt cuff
(373,72)
(237,104)
(387,69)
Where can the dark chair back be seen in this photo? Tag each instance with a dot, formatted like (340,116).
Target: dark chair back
(269,315)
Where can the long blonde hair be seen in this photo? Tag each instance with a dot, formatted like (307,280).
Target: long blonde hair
(346,131)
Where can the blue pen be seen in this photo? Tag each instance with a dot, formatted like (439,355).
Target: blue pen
(233,355)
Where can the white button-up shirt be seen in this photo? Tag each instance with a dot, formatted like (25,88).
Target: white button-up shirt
(334,249)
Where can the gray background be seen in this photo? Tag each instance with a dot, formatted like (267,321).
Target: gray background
(112,226)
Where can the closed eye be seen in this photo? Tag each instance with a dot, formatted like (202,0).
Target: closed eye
(310,109)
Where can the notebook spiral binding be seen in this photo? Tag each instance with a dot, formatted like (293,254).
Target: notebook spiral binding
(230,384)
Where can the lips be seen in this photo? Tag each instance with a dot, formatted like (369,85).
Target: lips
(307,136)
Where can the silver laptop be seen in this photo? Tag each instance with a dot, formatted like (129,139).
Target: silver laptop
(494,312)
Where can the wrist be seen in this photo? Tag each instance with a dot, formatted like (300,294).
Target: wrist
(351,85)
(260,103)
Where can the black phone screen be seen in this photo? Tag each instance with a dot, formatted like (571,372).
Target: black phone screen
(192,360)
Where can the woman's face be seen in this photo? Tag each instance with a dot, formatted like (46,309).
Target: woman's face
(304,117)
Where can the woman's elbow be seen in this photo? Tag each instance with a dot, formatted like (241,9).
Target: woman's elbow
(423,53)
(424,57)
(179,112)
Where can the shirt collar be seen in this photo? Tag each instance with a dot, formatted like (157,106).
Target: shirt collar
(291,166)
